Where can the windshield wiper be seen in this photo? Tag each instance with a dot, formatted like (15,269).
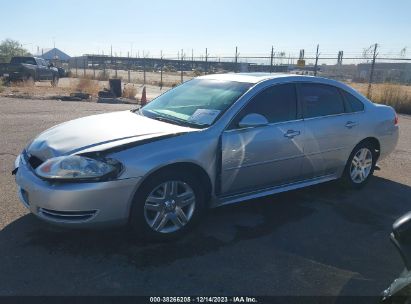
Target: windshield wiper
(165,119)
(169,119)
(140,112)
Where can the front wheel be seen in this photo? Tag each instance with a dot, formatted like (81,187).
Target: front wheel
(360,166)
(167,206)
(28,81)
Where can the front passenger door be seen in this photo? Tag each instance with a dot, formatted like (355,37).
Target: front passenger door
(264,156)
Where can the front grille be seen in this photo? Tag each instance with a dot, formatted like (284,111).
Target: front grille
(34,161)
(67,216)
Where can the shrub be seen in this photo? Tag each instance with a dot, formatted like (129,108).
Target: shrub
(197,73)
(394,95)
(130,91)
(87,85)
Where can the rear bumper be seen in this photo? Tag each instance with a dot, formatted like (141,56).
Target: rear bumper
(388,142)
(76,204)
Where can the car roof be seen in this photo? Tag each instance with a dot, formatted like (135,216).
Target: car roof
(255,78)
(252,77)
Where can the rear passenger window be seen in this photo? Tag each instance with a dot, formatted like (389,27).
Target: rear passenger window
(277,103)
(320,100)
(353,104)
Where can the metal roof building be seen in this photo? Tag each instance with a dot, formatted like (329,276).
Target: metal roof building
(53,54)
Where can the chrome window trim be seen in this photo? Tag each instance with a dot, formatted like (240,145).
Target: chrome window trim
(273,124)
(331,115)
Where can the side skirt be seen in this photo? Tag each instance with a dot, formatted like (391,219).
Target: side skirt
(232,199)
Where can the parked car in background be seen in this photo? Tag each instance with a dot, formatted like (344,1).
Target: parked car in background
(3,67)
(399,292)
(30,69)
(212,141)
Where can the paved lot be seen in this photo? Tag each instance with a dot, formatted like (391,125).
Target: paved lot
(316,241)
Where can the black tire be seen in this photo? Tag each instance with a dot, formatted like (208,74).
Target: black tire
(28,80)
(346,179)
(138,223)
(55,81)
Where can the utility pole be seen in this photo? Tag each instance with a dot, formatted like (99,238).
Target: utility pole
(85,63)
(340,57)
(128,66)
(206,62)
(339,63)
(236,60)
(317,55)
(272,59)
(161,70)
(181,65)
(192,59)
(94,67)
(374,56)
(144,68)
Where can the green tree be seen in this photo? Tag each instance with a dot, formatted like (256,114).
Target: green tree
(10,48)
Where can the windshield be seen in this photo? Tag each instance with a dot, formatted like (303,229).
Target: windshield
(26,60)
(198,102)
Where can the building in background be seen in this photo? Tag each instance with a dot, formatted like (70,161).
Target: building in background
(399,72)
(53,54)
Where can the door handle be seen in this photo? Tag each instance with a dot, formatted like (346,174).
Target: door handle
(350,124)
(291,134)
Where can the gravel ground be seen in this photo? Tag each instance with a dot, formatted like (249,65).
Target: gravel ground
(316,241)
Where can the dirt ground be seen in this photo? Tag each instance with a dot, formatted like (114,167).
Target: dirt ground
(44,90)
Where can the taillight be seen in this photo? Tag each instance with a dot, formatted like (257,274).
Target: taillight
(396,120)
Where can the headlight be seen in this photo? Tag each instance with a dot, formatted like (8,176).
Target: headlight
(77,168)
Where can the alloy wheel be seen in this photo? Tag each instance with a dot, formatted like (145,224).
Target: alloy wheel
(361,165)
(169,206)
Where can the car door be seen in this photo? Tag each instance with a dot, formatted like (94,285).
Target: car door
(40,70)
(48,73)
(331,132)
(267,155)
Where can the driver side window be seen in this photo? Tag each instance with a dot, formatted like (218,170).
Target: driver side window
(277,103)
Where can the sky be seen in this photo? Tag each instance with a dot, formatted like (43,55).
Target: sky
(93,26)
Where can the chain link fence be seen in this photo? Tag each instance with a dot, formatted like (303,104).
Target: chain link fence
(382,78)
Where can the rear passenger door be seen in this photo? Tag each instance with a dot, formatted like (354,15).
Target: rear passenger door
(43,70)
(331,131)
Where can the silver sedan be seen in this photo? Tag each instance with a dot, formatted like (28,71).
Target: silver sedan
(214,140)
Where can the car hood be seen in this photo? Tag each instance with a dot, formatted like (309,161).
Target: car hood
(100,132)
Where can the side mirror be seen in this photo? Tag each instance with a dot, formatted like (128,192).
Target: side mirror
(401,237)
(253,120)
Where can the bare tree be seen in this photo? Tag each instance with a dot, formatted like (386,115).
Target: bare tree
(367,53)
(281,55)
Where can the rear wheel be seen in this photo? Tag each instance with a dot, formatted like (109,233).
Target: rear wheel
(167,206)
(55,81)
(360,166)
(28,80)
